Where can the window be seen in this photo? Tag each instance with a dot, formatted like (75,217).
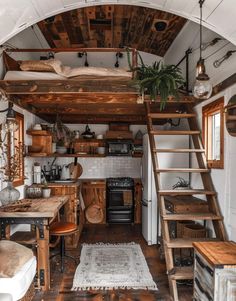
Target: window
(19,144)
(213,133)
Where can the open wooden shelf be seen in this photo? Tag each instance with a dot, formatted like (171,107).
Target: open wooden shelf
(65,155)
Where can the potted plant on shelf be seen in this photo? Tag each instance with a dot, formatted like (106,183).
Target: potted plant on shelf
(157,80)
(181,184)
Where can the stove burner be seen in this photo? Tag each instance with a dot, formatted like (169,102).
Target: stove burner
(120,182)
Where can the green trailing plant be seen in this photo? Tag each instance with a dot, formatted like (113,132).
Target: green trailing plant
(157,80)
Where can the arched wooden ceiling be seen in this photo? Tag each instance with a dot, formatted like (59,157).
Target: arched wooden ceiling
(145,29)
(218,15)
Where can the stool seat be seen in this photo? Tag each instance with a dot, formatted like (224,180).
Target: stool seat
(62,228)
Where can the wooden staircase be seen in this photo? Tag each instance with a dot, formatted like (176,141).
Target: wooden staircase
(214,215)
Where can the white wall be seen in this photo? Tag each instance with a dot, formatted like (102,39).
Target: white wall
(224,179)
(101,168)
(189,38)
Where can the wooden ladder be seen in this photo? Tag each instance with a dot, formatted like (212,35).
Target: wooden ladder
(214,215)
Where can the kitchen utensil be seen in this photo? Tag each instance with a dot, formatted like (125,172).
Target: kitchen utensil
(37,127)
(65,172)
(101,150)
(75,169)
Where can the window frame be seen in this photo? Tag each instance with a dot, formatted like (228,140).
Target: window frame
(20,133)
(208,110)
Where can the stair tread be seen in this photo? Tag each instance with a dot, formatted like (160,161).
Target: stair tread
(178,150)
(191,216)
(170,115)
(182,170)
(180,243)
(163,132)
(181,273)
(186,192)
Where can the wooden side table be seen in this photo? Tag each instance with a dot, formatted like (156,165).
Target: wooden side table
(215,271)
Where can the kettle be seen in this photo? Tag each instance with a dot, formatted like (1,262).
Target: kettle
(65,172)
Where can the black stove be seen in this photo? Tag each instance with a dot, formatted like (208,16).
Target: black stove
(120,200)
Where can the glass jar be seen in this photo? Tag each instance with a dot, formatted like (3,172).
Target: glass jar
(9,194)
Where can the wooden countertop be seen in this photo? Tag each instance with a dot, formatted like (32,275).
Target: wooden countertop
(217,253)
(47,208)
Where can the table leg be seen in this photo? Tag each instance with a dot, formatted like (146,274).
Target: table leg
(43,258)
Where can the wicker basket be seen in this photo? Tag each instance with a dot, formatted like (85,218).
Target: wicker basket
(194,231)
(180,227)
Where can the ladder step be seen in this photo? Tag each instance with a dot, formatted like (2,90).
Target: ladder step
(178,150)
(181,243)
(182,170)
(181,273)
(175,132)
(171,115)
(186,192)
(191,216)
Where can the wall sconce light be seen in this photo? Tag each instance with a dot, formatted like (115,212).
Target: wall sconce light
(211,43)
(119,55)
(81,54)
(10,125)
(218,62)
(3,95)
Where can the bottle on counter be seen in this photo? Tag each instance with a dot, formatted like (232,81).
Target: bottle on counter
(37,173)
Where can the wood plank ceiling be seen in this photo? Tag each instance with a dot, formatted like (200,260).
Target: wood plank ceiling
(107,26)
(145,29)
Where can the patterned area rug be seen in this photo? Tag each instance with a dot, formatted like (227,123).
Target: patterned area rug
(112,266)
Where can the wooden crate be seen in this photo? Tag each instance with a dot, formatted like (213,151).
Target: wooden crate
(184,204)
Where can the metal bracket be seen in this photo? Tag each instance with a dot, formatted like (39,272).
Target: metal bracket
(38,222)
(42,277)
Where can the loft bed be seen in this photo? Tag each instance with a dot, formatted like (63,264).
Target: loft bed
(79,95)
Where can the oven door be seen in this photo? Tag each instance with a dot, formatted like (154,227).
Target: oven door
(119,198)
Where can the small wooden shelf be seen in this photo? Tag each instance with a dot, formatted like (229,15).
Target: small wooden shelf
(230,119)
(65,155)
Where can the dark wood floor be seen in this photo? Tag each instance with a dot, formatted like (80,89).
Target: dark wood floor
(62,282)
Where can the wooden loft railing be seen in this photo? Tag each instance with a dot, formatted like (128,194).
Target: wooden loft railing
(11,62)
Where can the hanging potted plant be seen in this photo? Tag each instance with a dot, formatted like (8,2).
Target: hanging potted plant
(157,80)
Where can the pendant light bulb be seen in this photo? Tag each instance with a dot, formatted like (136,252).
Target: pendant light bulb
(202,88)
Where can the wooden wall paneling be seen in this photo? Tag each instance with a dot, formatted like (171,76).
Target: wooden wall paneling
(129,26)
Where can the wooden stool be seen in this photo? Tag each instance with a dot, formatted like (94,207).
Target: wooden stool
(63,229)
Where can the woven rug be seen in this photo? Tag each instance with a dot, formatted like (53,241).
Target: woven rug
(112,266)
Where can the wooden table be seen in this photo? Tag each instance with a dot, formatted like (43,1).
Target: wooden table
(215,271)
(40,213)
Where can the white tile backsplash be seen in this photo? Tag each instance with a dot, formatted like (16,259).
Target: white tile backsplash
(105,167)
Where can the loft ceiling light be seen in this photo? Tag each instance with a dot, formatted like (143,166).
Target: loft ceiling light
(202,88)
(10,125)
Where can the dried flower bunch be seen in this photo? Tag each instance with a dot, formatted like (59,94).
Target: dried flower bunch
(10,164)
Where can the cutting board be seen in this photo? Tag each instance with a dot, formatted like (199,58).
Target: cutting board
(76,170)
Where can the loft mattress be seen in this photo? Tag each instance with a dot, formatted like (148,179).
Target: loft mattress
(18,285)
